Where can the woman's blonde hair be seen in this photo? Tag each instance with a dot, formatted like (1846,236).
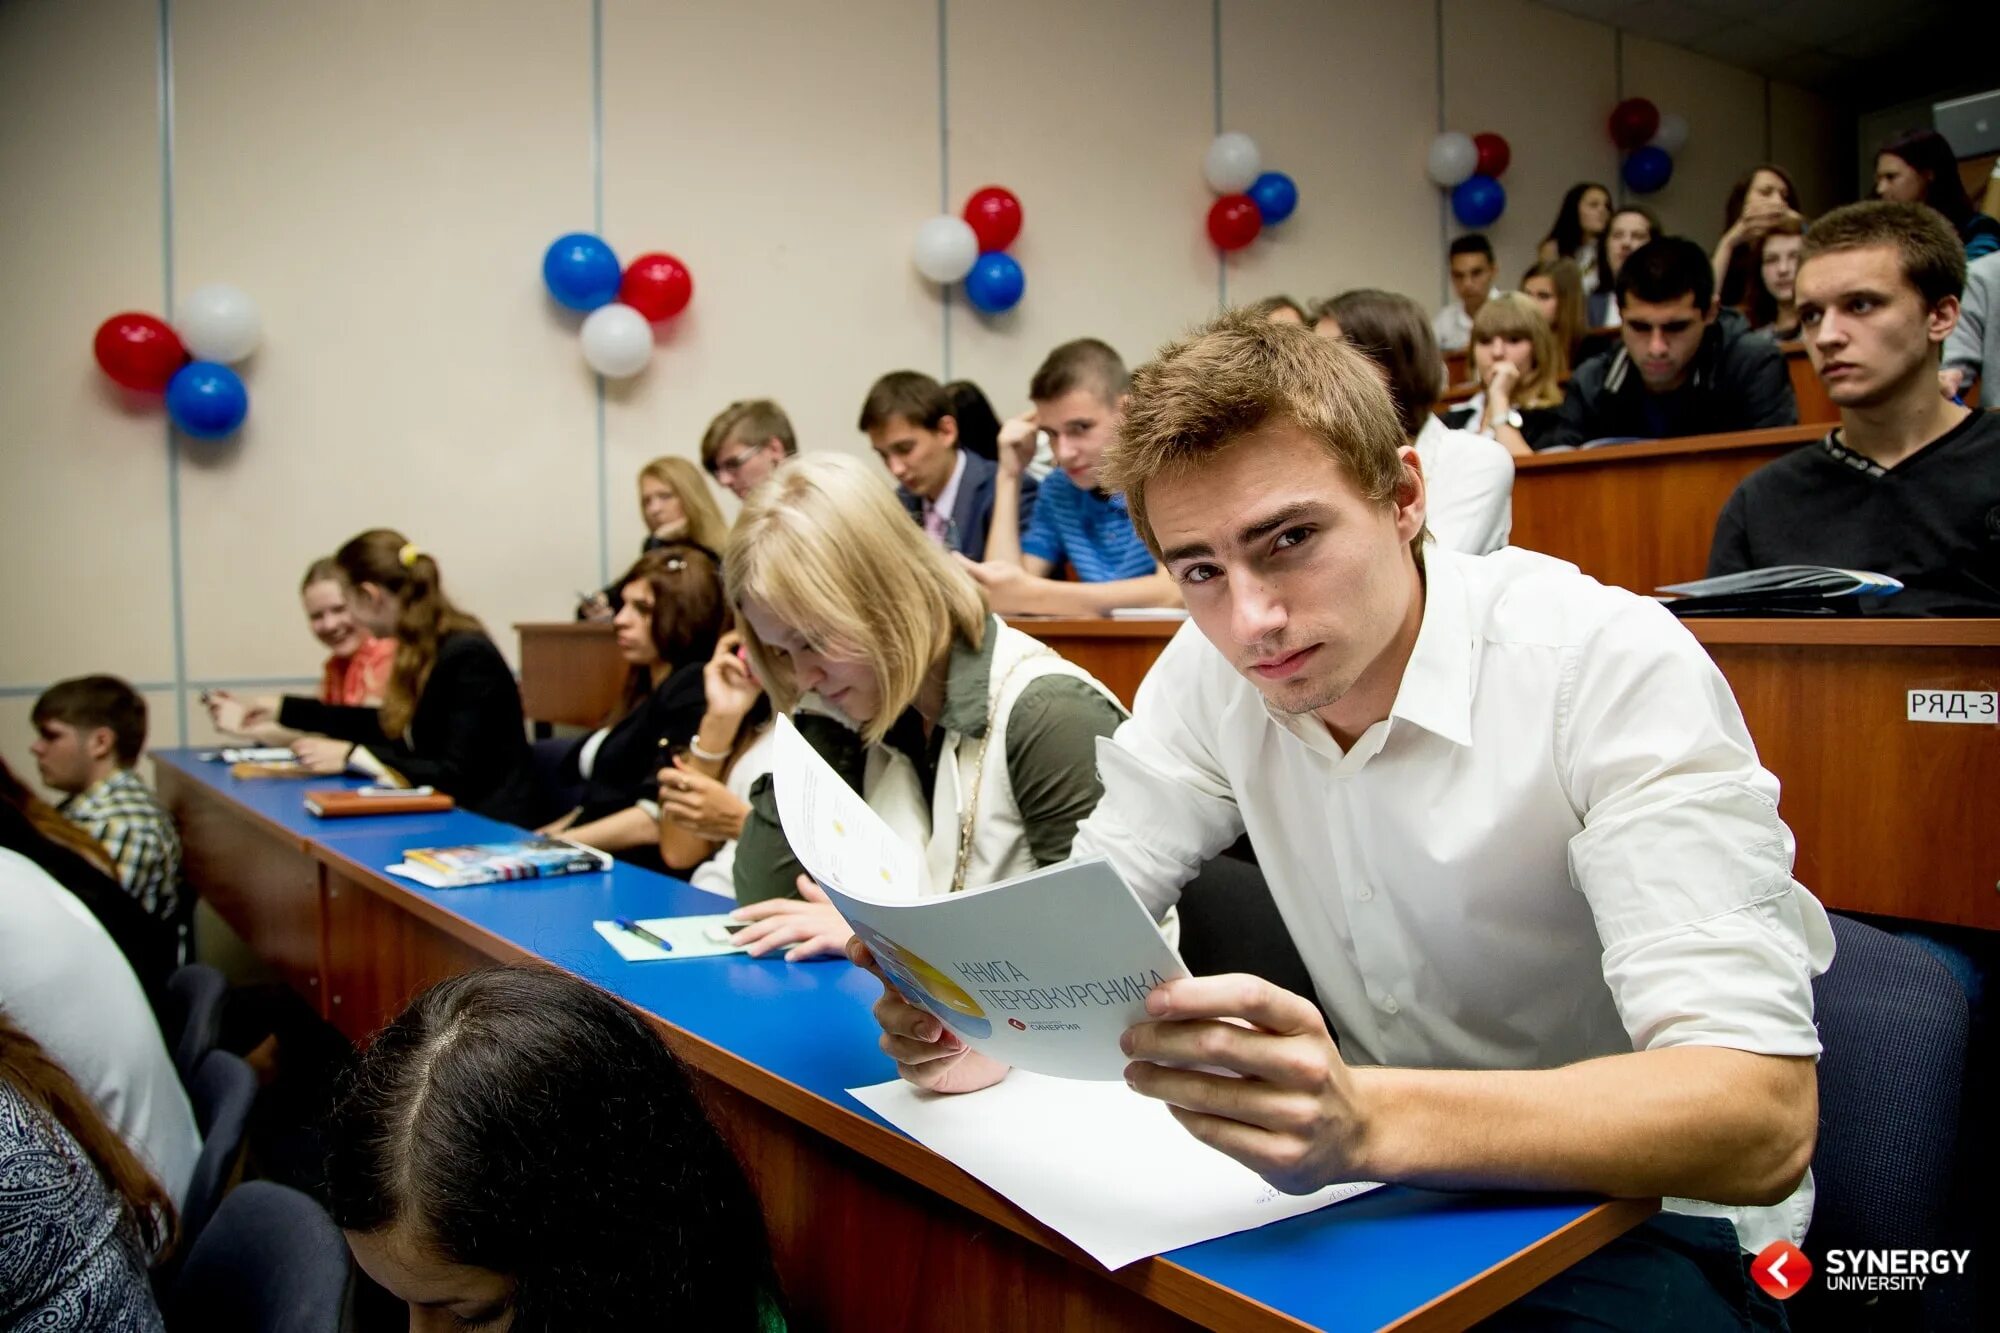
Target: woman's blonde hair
(1513,315)
(705,524)
(824,545)
(1572,312)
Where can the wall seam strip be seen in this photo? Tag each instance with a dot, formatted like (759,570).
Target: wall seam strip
(597,222)
(1215,41)
(1618,97)
(944,166)
(165,49)
(1444,196)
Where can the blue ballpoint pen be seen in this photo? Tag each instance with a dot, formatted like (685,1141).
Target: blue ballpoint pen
(633,928)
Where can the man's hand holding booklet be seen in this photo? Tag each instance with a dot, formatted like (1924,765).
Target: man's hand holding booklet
(1042,974)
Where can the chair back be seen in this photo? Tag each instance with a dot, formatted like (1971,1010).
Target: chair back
(269,1261)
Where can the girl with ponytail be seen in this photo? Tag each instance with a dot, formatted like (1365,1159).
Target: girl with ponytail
(451,716)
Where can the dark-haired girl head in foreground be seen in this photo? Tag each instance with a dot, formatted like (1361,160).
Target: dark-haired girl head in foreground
(519,1151)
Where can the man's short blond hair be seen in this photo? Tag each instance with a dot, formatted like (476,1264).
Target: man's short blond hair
(826,546)
(1236,374)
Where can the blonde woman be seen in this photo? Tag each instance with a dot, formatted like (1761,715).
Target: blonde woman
(1514,358)
(974,741)
(675,506)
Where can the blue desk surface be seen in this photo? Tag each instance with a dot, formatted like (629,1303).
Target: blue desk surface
(1357,1265)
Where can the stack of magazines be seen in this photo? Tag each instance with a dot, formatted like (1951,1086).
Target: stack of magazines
(494,862)
(1780,590)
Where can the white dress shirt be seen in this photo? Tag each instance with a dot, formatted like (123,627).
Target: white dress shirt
(936,516)
(1453,326)
(65,984)
(1558,846)
(1469,484)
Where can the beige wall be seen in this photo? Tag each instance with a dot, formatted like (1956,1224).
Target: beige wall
(1500,61)
(383,177)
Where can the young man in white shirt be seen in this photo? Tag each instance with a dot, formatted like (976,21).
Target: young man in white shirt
(1511,817)
(1472,269)
(746,442)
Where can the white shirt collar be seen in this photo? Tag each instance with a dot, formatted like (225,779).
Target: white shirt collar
(948,497)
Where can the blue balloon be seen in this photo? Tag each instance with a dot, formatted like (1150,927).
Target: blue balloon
(1275,195)
(581,271)
(995,283)
(207,400)
(1648,168)
(1477,200)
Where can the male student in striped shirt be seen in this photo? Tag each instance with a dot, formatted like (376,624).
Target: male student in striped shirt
(1079,397)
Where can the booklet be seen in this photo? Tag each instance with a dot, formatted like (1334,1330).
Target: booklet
(1783,589)
(493,862)
(1043,972)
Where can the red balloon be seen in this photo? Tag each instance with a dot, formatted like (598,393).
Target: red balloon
(1494,154)
(995,217)
(139,352)
(656,285)
(1634,121)
(1233,221)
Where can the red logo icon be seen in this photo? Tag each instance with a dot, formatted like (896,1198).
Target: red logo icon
(1781,1269)
(1017,1025)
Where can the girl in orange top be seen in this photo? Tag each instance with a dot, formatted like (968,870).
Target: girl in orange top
(358,672)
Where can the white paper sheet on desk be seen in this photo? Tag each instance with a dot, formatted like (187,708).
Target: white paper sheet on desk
(1109,1169)
(690,936)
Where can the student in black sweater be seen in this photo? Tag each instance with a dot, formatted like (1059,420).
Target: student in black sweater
(451,718)
(1909,485)
(671,614)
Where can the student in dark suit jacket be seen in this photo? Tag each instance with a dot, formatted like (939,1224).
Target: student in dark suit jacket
(946,489)
(452,716)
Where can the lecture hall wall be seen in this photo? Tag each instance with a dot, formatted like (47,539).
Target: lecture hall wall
(382,176)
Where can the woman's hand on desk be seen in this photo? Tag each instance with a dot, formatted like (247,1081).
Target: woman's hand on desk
(321,755)
(1250,1070)
(811,926)
(927,1053)
(700,804)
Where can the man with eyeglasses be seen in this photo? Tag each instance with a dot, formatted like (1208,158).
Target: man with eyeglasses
(746,442)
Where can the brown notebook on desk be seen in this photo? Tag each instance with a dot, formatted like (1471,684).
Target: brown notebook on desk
(340,802)
(270,768)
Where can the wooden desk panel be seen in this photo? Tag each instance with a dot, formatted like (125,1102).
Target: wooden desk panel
(259,878)
(1890,814)
(378,956)
(1639,515)
(570,672)
(1117,652)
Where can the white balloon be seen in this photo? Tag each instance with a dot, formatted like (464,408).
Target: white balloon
(219,323)
(1672,136)
(1233,162)
(617,341)
(946,248)
(1453,158)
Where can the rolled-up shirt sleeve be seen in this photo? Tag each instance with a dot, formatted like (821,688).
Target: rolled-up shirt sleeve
(1707,938)
(1167,806)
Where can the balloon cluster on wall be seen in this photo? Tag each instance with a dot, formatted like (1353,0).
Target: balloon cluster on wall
(1649,141)
(972,248)
(1470,166)
(1249,197)
(189,360)
(622,305)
